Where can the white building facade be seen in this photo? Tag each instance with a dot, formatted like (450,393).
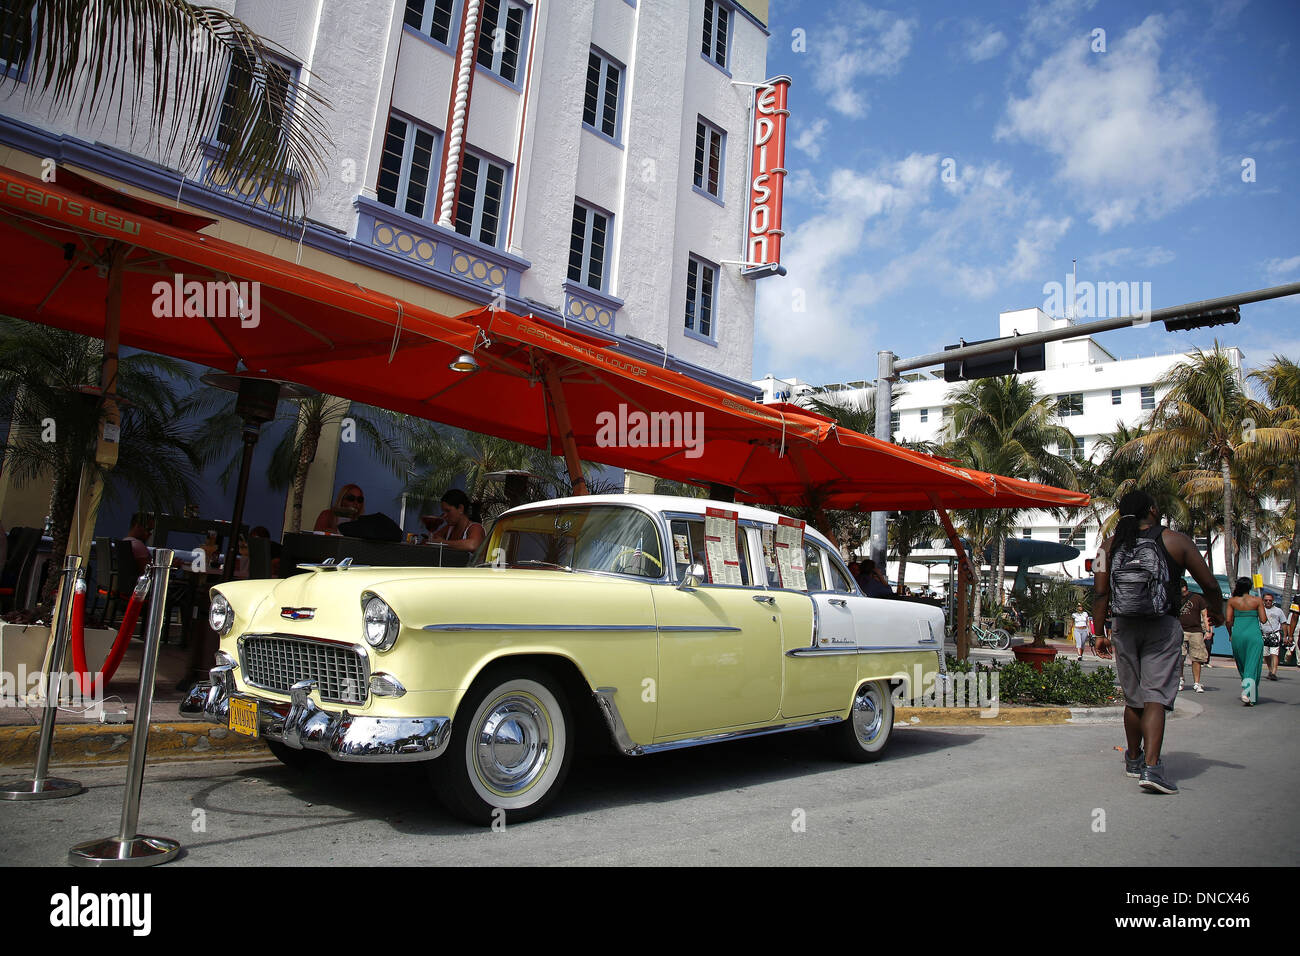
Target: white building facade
(1095,393)
(585,161)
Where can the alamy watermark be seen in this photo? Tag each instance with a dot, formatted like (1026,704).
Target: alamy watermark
(1098,300)
(637,429)
(976,688)
(211,299)
(27,689)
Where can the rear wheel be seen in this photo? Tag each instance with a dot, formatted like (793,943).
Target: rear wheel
(863,737)
(510,750)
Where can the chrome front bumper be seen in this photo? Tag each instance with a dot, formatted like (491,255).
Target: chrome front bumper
(304,726)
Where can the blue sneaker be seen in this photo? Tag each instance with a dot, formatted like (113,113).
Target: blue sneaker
(1133,765)
(1153,779)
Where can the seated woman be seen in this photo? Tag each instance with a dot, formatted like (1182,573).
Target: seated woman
(351,504)
(458,531)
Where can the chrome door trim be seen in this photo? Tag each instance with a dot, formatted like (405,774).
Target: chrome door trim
(831,650)
(539,627)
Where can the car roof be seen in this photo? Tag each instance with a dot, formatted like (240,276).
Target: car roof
(675,504)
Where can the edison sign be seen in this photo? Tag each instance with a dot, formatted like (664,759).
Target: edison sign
(767,177)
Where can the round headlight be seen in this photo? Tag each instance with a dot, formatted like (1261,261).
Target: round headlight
(220,615)
(379,623)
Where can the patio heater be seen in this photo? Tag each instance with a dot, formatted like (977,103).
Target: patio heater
(255,403)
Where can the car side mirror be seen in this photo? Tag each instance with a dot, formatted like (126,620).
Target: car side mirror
(694,577)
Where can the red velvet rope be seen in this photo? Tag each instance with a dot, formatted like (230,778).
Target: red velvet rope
(118,650)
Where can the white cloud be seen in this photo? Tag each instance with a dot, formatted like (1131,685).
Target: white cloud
(809,139)
(1047,24)
(863,42)
(879,232)
(1147,258)
(982,42)
(1129,140)
(1279,271)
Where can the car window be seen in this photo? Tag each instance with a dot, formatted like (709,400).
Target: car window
(812,566)
(612,539)
(688,542)
(837,576)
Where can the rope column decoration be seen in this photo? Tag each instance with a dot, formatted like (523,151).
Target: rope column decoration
(459,115)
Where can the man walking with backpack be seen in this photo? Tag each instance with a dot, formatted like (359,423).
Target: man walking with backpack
(1138,575)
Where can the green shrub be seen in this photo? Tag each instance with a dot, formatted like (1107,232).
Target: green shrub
(1060,682)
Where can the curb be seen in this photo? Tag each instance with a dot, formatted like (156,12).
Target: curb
(111,744)
(967,716)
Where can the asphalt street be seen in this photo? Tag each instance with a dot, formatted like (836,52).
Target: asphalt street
(1014,796)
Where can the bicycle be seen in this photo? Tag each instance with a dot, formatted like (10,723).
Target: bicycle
(990,636)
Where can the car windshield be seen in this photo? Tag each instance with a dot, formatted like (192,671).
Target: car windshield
(599,538)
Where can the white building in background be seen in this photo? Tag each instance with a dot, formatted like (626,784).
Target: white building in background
(591,168)
(1094,391)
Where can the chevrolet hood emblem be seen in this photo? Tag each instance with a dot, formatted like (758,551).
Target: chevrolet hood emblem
(297,613)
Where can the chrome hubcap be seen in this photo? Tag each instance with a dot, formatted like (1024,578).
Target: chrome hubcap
(513,745)
(867,718)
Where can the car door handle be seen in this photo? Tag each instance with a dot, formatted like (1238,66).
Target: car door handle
(764,599)
(838,602)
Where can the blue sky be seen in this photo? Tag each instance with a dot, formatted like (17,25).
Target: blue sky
(947,160)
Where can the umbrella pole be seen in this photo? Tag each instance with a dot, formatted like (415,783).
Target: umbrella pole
(571,459)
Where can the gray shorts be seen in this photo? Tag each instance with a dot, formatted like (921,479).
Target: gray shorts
(1148,659)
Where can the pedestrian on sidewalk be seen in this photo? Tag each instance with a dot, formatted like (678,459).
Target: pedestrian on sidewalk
(1136,571)
(1196,625)
(1245,634)
(1080,628)
(1274,623)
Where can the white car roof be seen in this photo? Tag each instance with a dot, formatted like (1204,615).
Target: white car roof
(672,503)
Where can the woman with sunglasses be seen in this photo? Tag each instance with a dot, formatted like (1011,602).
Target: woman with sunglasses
(351,504)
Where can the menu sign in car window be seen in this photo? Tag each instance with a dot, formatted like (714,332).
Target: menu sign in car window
(720,546)
(789,554)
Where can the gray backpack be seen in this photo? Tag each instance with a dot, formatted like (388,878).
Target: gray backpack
(1139,578)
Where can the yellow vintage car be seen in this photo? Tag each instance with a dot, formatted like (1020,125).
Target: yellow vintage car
(654,622)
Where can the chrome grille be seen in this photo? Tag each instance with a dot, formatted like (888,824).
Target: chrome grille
(277,662)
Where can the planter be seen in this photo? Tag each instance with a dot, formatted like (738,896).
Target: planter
(23,648)
(1034,656)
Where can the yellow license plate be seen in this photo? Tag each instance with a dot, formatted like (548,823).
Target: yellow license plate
(243,716)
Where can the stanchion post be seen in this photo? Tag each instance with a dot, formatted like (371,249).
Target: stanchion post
(129,848)
(41,787)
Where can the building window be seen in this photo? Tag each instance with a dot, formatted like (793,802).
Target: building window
(14,41)
(1115,396)
(701,280)
(717,32)
(709,145)
(588,245)
(406,168)
(1068,405)
(604,82)
(500,38)
(1077,540)
(481,199)
(272,91)
(1071,449)
(925,415)
(1148,397)
(895,420)
(431,17)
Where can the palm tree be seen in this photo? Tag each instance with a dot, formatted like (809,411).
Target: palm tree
(166,64)
(293,455)
(1281,440)
(909,531)
(1003,426)
(1202,414)
(46,394)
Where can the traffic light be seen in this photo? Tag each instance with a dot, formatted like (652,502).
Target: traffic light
(1009,361)
(1203,320)
(1087,565)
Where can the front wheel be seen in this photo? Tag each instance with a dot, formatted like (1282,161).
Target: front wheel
(1001,639)
(510,749)
(863,737)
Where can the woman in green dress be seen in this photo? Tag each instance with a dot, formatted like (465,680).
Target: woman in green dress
(1244,617)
